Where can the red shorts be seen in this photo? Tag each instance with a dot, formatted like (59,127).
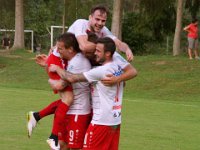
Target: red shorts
(76,127)
(52,59)
(101,137)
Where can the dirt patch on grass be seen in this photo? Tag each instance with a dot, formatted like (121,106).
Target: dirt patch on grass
(12,56)
(2,66)
(7,53)
(159,62)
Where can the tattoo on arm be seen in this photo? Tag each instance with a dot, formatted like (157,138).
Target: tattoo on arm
(72,78)
(65,83)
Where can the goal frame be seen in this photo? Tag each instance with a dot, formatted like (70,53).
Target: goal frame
(52,29)
(30,31)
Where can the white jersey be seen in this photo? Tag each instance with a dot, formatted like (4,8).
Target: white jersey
(81,90)
(81,26)
(106,100)
(119,60)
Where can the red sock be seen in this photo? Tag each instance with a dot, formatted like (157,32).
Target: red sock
(50,109)
(59,119)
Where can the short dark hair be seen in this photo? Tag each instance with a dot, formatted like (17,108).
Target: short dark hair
(103,9)
(109,44)
(194,20)
(69,40)
(92,37)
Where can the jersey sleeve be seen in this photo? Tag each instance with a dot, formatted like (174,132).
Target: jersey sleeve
(79,64)
(107,33)
(79,27)
(119,60)
(95,74)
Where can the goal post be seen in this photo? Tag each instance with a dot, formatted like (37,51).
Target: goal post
(29,31)
(52,33)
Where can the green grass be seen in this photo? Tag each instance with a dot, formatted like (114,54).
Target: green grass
(161,106)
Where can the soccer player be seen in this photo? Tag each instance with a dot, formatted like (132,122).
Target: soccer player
(104,129)
(96,24)
(59,107)
(78,116)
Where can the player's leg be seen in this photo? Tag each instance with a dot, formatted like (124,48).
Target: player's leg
(63,145)
(34,117)
(114,144)
(62,109)
(59,128)
(66,96)
(99,137)
(63,140)
(76,129)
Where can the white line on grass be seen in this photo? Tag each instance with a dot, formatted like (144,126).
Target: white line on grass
(142,101)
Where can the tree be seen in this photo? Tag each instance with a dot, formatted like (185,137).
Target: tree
(116,18)
(177,35)
(158,16)
(64,16)
(19,25)
(7,14)
(193,7)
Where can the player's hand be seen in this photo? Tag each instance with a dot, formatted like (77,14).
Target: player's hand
(53,68)
(110,80)
(129,55)
(41,60)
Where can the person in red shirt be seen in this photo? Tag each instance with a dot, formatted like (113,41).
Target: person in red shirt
(192,30)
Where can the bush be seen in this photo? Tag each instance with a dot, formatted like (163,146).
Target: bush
(133,33)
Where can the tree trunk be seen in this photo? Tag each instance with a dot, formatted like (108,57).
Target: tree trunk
(64,16)
(19,25)
(116,18)
(177,35)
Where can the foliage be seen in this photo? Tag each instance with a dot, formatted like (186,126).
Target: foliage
(7,14)
(39,16)
(134,34)
(145,29)
(146,23)
(193,7)
(159,16)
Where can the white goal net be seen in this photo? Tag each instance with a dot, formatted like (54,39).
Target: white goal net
(55,32)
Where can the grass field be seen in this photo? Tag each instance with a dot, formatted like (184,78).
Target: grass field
(161,107)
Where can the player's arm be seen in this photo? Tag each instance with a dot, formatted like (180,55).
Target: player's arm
(67,76)
(84,44)
(186,28)
(123,47)
(129,73)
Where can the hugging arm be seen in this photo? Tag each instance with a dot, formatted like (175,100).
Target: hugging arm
(129,73)
(123,47)
(67,76)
